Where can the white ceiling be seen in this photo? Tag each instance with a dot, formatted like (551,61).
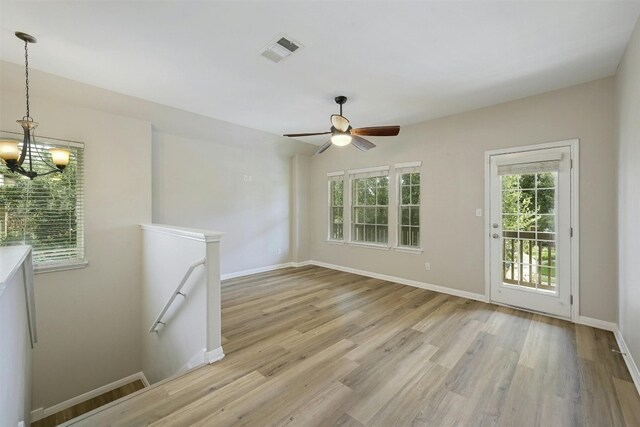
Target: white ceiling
(399,62)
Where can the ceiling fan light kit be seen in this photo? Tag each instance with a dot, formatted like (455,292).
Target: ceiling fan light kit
(14,156)
(341,139)
(342,134)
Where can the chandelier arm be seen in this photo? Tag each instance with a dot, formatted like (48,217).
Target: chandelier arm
(25,144)
(50,172)
(42,158)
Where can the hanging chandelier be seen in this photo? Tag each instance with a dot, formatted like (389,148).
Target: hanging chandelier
(21,159)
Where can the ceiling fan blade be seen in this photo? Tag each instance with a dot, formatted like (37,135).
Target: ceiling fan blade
(340,122)
(293,135)
(361,143)
(323,148)
(377,131)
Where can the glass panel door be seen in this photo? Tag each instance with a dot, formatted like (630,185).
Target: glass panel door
(530,230)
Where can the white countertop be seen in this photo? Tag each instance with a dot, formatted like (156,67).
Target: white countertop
(11,258)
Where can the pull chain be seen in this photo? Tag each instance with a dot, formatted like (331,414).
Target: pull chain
(26,74)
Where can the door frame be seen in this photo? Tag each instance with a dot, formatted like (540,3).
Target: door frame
(574,240)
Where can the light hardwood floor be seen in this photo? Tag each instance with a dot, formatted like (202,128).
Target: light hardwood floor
(312,346)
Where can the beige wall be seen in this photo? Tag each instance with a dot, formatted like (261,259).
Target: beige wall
(452,151)
(88,318)
(628,126)
(237,181)
(300,198)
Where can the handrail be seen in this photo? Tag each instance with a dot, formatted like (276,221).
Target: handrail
(158,321)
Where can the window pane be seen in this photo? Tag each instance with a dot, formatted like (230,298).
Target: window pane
(415,179)
(406,194)
(415,237)
(338,193)
(546,180)
(337,231)
(510,222)
(383,196)
(358,233)
(527,201)
(415,194)
(511,250)
(415,216)
(370,215)
(546,201)
(546,223)
(382,216)
(370,197)
(510,200)
(370,233)
(381,231)
(510,182)
(372,182)
(527,180)
(405,179)
(405,215)
(383,181)
(405,236)
(361,197)
(358,215)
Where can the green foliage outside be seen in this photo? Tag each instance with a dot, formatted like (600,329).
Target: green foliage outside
(528,205)
(370,209)
(337,210)
(410,209)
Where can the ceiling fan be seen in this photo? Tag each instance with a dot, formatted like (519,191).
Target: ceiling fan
(343,134)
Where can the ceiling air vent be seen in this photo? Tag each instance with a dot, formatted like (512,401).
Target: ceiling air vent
(280,48)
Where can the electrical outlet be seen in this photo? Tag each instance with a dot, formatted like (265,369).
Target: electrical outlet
(247,178)
(427,266)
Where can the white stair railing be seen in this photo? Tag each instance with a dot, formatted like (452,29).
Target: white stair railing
(158,321)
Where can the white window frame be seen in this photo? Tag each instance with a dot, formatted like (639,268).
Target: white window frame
(400,169)
(354,174)
(331,177)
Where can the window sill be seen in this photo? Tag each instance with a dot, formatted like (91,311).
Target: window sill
(51,268)
(370,246)
(408,250)
(335,242)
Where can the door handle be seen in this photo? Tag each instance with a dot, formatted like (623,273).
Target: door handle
(495,236)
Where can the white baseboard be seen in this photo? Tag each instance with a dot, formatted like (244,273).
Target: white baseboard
(597,323)
(40,413)
(631,364)
(242,273)
(301,264)
(403,281)
(213,355)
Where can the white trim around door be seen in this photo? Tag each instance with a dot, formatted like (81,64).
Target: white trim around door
(574,191)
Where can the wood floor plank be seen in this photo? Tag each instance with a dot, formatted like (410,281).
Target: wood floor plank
(629,401)
(313,346)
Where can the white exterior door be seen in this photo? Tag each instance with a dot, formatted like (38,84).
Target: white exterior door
(530,230)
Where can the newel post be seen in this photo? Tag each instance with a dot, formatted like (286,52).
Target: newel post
(213,351)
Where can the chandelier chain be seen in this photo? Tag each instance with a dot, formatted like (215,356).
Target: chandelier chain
(26,74)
